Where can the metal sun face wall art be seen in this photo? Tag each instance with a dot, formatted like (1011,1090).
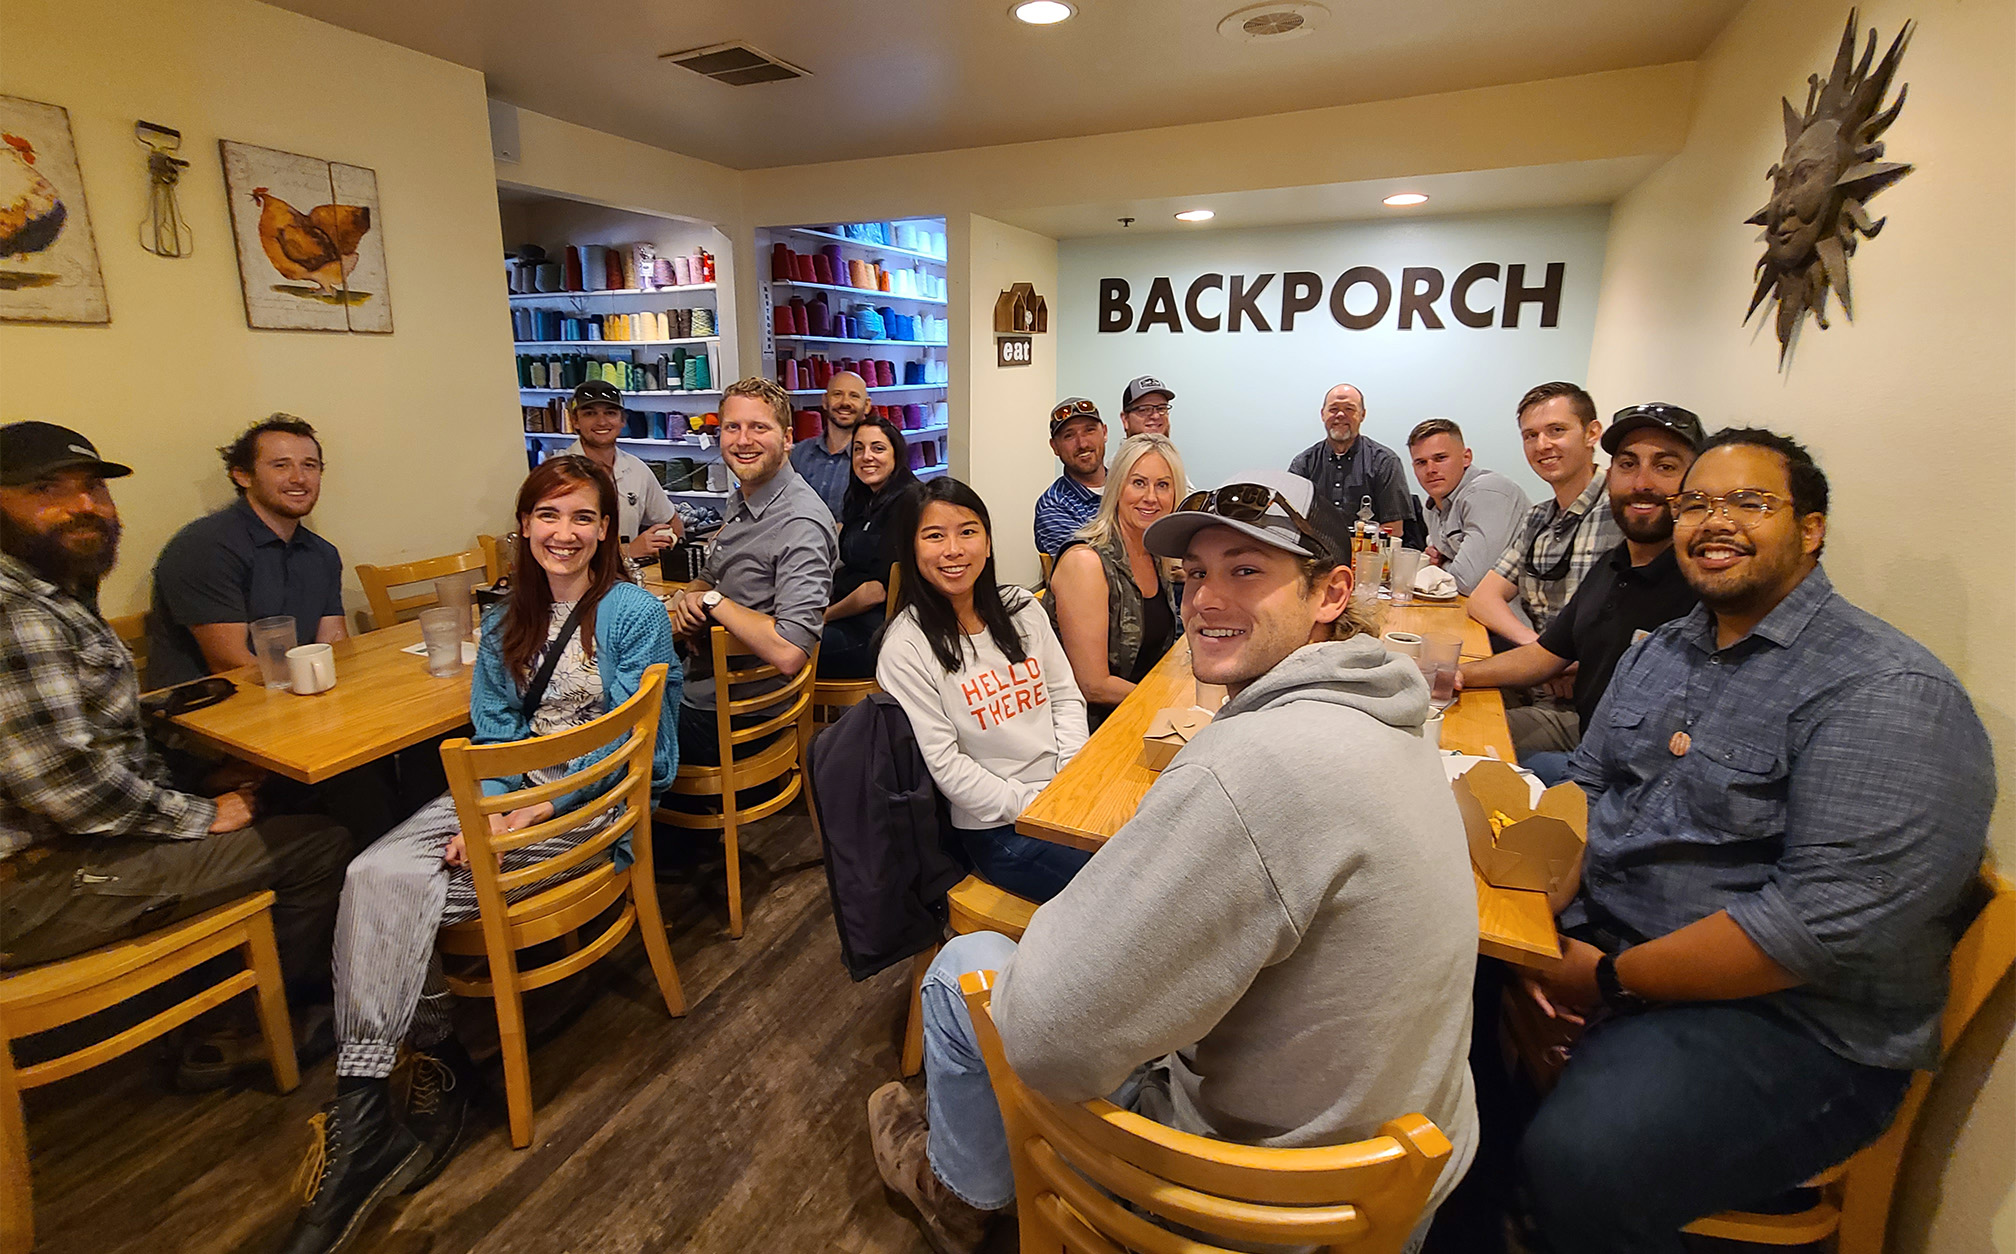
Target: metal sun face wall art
(1820,188)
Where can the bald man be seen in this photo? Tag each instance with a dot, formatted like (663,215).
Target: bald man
(826,462)
(1347,467)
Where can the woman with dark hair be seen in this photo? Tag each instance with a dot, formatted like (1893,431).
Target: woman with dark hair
(571,644)
(986,686)
(869,544)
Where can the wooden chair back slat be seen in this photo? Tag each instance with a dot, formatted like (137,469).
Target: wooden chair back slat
(493,557)
(379,581)
(1367,1196)
(132,632)
(539,915)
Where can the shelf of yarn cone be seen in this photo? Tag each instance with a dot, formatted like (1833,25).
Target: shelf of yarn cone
(892,387)
(545,299)
(856,291)
(693,339)
(862,244)
(693,443)
(841,339)
(931,472)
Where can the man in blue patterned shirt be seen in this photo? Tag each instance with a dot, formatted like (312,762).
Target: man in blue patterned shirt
(96,844)
(1789,800)
(1078,438)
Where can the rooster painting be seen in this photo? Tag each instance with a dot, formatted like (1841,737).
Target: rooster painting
(319,246)
(310,239)
(48,260)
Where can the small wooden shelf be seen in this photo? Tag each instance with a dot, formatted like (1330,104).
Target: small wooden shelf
(838,339)
(856,291)
(864,245)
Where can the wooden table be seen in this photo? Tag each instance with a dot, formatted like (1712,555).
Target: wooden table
(1099,790)
(383,701)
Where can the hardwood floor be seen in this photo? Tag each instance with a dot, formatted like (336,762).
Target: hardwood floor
(740,1127)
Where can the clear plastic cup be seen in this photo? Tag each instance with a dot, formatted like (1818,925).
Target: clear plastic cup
(1365,571)
(1441,653)
(271,638)
(1406,564)
(458,592)
(442,633)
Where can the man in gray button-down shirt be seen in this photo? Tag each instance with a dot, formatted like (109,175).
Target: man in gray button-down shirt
(1472,512)
(1789,800)
(770,568)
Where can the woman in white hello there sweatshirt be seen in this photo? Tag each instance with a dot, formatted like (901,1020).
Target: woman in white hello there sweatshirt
(986,686)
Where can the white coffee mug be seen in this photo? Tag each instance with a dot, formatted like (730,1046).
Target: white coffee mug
(1431,731)
(1405,643)
(312,667)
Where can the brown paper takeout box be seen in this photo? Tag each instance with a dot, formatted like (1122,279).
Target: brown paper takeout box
(1169,731)
(1541,846)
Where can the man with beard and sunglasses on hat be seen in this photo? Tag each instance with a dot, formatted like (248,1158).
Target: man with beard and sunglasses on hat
(1246,958)
(1788,803)
(96,844)
(1634,588)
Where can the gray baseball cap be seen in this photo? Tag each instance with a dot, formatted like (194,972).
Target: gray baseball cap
(1254,513)
(1146,385)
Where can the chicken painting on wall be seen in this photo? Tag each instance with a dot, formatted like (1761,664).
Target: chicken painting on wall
(48,259)
(311,251)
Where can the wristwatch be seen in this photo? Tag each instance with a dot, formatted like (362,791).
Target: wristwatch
(1612,990)
(709,600)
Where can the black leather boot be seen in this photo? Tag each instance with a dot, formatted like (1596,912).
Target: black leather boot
(361,1156)
(445,1080)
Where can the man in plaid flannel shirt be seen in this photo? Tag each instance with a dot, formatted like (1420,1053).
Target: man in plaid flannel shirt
(96,845)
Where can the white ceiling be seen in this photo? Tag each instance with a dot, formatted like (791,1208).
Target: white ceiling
(902,76)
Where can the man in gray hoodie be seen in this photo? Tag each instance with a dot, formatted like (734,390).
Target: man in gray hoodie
(1278,948)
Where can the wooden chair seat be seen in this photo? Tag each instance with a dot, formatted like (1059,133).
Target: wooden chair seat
(1094,1177)
(56,993)
(514,913)
(786,712)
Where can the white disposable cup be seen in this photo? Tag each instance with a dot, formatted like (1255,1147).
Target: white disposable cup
(1406,564)
(1404,643)
(271,638)
(441,631)
(312,667)
(1431,731)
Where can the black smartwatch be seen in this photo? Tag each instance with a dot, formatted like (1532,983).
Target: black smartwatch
(1612,990)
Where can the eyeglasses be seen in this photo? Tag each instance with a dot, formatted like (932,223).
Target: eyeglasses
(1074,409)
(1247,503)
(1746,507)
(1150,410)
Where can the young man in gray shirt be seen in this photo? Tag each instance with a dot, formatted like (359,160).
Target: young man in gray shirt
(1278,946)
(1472,512)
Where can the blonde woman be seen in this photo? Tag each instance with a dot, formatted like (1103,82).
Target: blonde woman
(1110,599)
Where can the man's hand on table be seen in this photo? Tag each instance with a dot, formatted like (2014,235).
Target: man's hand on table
(235,809)
(689,617)
(1566,989)
(1563,685)
(1433,556)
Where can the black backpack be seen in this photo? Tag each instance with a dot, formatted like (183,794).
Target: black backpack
(885,830)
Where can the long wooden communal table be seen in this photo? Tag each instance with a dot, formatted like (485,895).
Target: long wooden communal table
(383,701)
(1099,790)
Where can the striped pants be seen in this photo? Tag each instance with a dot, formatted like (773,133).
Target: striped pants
(396,895)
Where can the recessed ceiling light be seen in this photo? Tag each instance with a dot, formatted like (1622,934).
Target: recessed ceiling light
(1195,215)
(1042,12)
(1403,199)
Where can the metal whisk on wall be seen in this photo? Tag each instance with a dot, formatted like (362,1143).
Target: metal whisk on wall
(165,233)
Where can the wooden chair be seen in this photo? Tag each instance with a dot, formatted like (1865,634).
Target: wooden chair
(829,695)
(53,994)
(508,922)
(379,581)
(1086,1175)
(974,905)
(1047,561)
(132,632)
(786,712)
(1854,1203)
(493,557)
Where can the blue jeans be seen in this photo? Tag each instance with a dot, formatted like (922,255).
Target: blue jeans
(968,1146)
(1687,1110)
(1025,866)
(1550,765)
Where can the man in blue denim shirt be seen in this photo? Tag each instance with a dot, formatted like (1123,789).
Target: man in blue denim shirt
(1788,801)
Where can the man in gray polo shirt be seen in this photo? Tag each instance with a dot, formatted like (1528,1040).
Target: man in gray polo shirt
(769,571)
(645,519)
(1472,512)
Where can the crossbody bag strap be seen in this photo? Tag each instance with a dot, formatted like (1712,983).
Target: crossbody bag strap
(536,692)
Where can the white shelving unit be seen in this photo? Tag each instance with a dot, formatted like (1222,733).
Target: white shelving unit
(553,222)
(842,299)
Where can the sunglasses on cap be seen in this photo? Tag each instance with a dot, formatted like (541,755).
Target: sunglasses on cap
(1074,409)
(1247,503)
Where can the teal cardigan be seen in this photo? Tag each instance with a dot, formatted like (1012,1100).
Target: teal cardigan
(632,634)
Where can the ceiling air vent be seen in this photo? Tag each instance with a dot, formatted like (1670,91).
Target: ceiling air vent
(1273,22)
(736,64)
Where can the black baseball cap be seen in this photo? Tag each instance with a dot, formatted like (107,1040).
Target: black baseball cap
(1680,422)
(30,450)
(597,392)
(1146,385)
(1072,407)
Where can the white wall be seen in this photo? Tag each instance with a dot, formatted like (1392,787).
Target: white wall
(1911,410)
(1001,420)
(1251,398)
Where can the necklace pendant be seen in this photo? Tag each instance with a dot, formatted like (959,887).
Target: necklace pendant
(1680,743)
